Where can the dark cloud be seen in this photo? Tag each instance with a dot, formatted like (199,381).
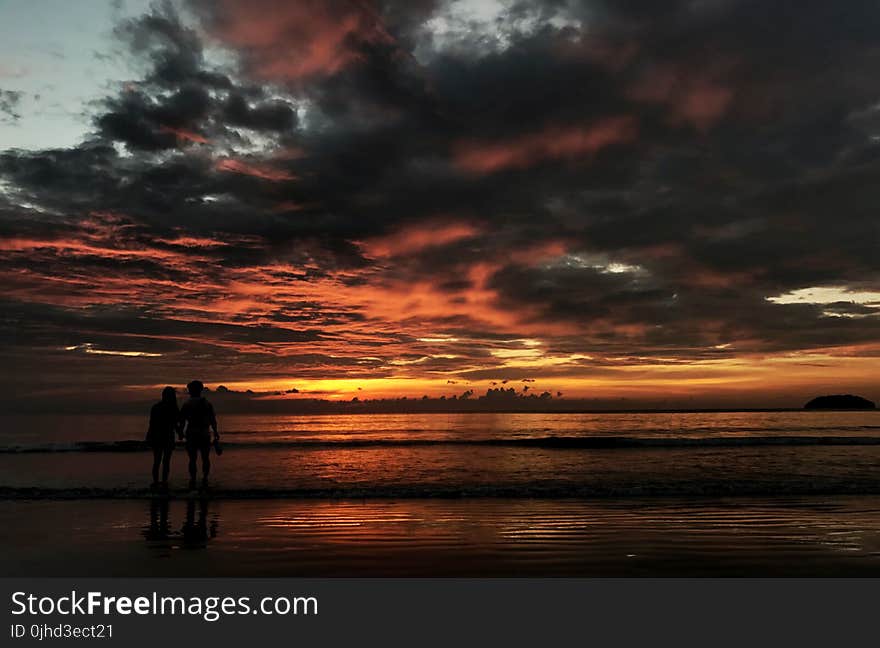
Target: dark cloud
(144,124)
(182,100)
(9,109)
(174,50)
(617,179)
(275,116)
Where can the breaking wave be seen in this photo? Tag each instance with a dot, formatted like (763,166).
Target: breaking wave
(550,442)
(543,490)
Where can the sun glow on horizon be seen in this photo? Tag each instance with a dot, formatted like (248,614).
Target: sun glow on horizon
(727,376)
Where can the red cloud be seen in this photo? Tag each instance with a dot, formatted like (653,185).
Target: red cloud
(294,40)
(690,98)
(258,171)
(184,135)
(556,142)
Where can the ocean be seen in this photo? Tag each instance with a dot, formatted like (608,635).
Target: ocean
(745,493)
(462,455)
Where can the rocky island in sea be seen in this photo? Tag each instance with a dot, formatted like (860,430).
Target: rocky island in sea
(839,402)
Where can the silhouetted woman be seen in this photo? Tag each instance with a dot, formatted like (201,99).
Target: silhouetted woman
(160,436)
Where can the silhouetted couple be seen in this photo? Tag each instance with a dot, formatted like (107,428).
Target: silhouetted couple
(194,422)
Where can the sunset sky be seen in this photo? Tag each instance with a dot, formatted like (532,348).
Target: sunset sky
(639,203)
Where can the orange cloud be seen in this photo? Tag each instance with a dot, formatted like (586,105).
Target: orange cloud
(555,142)
(256,170)
(81,247)
(399,343)
(410,240)
(192,242)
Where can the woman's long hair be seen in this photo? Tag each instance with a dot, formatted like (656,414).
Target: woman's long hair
(169,399)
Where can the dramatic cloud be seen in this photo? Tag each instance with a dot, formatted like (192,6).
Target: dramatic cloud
(293,41)
(550,144)
(671,204)
(9,100)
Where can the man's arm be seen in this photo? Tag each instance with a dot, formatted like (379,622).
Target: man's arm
(213,420)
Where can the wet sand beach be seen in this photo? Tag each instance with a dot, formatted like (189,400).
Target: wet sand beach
(739,536)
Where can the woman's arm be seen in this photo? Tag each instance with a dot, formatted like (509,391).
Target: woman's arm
(181,422)
(151,424)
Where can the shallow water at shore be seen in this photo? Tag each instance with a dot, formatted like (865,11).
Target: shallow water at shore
(480,537)
(686,494)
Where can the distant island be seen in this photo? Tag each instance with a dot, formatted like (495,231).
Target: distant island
(840,401)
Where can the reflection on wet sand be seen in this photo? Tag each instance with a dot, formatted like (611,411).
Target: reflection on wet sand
(158,528)
(479,537)
(197,530)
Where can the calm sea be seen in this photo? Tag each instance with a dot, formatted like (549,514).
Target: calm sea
(461,455)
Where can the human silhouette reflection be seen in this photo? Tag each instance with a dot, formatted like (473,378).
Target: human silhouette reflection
(197,531)
(158,529)
(158,532)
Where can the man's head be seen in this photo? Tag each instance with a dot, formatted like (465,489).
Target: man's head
(195,388)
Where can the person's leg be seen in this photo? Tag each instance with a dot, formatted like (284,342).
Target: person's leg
(193,453)
(166,462)
(206,461)
(157,457)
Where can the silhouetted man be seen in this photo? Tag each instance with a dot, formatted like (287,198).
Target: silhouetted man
(197,415)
